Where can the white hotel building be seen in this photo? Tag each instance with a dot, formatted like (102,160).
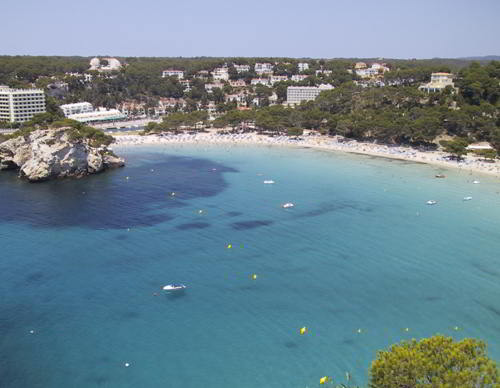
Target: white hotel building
(297,94)
(100,114)
(79,107)
(19,105)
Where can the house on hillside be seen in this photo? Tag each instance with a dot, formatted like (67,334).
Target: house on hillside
(439,81)
(264,68)
(173,73)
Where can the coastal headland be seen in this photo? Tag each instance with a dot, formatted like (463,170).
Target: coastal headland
(45,154)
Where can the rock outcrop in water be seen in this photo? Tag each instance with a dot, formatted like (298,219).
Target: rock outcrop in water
(56,153)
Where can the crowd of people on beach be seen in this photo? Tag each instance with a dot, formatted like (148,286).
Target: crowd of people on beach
(470,162)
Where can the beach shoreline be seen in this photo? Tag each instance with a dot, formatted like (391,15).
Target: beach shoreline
(471,164)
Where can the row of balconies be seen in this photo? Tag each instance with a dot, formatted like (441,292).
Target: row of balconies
(29,103)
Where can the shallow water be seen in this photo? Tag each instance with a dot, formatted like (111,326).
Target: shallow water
(82,261)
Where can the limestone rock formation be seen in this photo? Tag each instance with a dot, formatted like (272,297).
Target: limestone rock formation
(52,153)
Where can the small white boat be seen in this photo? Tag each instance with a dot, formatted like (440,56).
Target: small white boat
(287,205)
(467,198)
(174,287)
(269,182)
(431,202)
(476,182)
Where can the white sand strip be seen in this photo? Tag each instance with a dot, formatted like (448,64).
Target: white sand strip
(470,163)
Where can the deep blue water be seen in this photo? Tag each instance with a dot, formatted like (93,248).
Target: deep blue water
(82,260)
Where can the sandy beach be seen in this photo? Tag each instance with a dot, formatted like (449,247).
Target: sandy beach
(470,163)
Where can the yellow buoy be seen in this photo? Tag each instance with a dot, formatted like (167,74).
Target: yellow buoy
(303,330)
(229,246)
(407,329)
(324,379)
(254,276)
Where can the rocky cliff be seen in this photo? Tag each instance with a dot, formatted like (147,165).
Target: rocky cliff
(54,153)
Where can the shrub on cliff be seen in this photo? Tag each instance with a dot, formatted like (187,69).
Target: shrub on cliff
(435,362)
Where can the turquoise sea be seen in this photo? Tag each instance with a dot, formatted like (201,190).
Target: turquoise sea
(361,261)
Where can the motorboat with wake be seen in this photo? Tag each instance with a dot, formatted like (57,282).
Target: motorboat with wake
(174,287)
(287,205)
(431,202)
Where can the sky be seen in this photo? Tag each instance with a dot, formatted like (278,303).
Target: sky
(252,28)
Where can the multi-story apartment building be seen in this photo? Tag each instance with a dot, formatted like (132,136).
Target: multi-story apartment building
(79,107)
(173,73)
(264,68)
(297,94)
(19,105)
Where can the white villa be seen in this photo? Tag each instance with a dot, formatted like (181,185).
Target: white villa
(277,78)
(220,74)
(373,71)
(237,83)
(303,66)
(242,68)
(259,81)
(209,87)
(173,73)
(439,81)
(299,77)
(264,68)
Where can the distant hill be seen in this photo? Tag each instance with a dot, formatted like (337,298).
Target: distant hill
(483,58)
